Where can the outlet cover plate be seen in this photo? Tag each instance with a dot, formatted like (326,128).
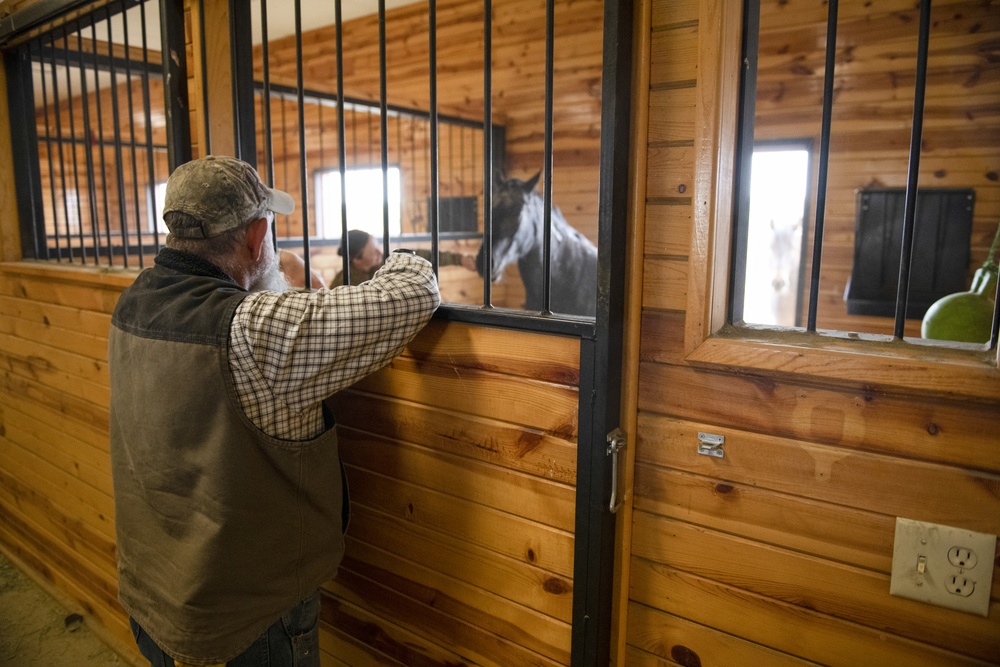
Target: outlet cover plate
(925,546)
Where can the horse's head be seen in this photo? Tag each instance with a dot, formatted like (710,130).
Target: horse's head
(510,239)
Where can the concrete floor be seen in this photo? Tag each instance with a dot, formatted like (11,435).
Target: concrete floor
(37,631)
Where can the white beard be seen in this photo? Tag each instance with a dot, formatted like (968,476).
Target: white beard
(267,275)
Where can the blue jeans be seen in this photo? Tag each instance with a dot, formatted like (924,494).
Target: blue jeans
(291,641)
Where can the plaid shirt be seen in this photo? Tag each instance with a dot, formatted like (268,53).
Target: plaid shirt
(291,350)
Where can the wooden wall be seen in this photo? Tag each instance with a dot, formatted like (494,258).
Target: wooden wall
(780,552)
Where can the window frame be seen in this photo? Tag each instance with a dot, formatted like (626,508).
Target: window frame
(867,362)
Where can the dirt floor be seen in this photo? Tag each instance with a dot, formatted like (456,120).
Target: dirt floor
(37,631)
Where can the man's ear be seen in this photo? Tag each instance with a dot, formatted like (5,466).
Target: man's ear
(256,235)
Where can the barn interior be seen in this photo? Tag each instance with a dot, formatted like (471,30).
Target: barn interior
(480,461)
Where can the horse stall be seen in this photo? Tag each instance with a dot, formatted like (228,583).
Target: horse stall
(673,427)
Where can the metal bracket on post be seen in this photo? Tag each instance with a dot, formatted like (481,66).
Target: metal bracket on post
(616,443)
(711,445)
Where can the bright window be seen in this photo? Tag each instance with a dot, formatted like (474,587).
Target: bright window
(364,201)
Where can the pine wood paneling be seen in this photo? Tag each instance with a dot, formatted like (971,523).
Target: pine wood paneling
(793,528)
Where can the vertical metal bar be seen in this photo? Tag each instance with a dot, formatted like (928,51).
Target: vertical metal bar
(72,144)
(342,147)
(266,109)
(303,161)
(913,174)
(147,118)
(550,13)
(62,160)
(119,167)
(207,139)
(995,329)
(175,90)
(383,126)
(241,66)
(18,64)
(100,144)
(824,158)
(48,148)
(131,132)
(435,207)
(597,417)
(487,152)
(87,150)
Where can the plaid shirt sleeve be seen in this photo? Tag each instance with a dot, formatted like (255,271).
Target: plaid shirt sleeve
(291,350)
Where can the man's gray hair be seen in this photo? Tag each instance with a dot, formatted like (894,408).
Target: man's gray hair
(219,249)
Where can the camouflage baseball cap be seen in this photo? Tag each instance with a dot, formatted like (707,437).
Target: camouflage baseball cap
(221,193)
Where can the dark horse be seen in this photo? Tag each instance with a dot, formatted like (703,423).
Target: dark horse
(518,235)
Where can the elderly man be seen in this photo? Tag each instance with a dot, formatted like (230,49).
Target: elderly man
(229,496)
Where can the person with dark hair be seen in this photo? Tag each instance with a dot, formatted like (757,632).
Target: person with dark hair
(366,257)
(230,501)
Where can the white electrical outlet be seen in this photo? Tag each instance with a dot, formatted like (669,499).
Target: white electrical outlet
(946,566)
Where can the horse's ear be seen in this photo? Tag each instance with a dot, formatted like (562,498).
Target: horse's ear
(530,184)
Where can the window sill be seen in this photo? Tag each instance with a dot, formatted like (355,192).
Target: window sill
(115,278)
(875,362)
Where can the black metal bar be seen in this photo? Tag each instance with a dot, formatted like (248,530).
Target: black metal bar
(89,155)
(72,134)
(824,158)
(131,132)
(35,13)
(913,173)
(206,147)
(320,97)
(62,169)
(24,148)
(303,162)
(119,167)
(550,13)
(383,127)
(265,105)
(147,118)
(567,325)
(435,207)
(742,168)
(67,55)
(487,153)
(995,329)
(241,66)
(175,93)
(342,148)
(100,138)
(593,571)
(51,161)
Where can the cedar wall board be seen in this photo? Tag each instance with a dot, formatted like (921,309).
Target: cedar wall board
(780,553)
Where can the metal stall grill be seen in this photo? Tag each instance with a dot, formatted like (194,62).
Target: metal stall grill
(437,171)
(92,132)
(908,226)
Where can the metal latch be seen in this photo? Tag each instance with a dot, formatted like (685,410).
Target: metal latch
(616,443)
(710,444)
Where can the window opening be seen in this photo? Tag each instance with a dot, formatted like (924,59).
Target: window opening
(874,94)
(365,201)
(96,139)
(779,197)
